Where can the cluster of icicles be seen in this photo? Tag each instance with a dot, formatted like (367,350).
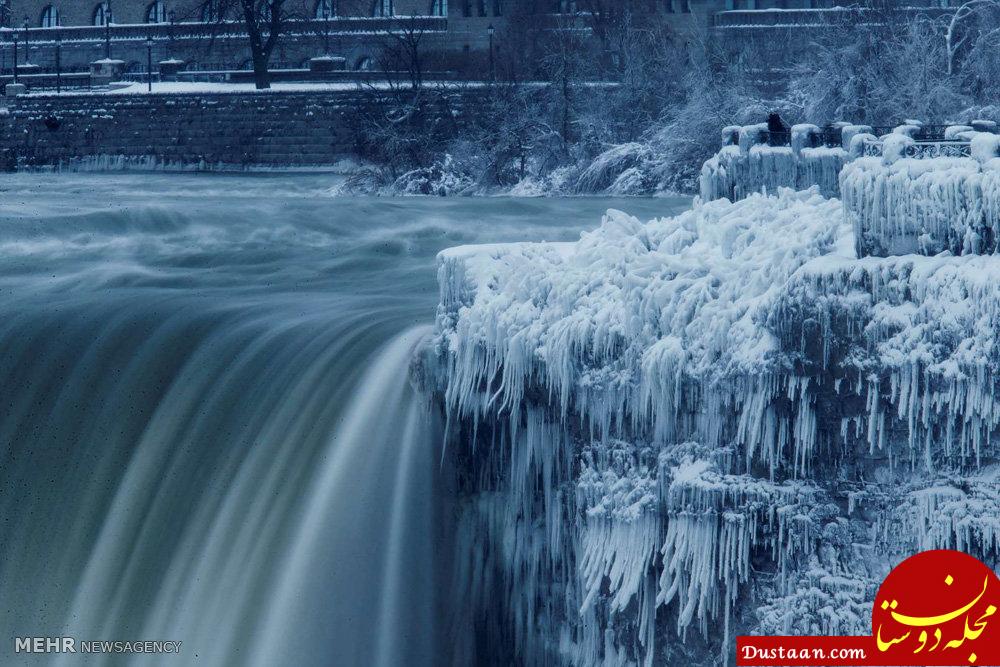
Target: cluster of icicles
(605,539)
(587,372)
(598,552)
(923,206)
(734,174)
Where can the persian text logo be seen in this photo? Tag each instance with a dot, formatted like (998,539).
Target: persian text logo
(73,645)
(938,603)
(934,608)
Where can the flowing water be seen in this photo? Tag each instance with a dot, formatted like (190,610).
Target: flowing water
(206,430)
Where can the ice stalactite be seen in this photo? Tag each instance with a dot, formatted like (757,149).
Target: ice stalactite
(916,335)
(715,522)
(818,602)
(617,493)
(948,516)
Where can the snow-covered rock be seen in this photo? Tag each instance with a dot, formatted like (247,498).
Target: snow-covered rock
(723,422)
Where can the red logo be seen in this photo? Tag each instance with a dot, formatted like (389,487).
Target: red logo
(935,608)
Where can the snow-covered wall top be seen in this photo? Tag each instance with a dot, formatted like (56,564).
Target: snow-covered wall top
(661,405)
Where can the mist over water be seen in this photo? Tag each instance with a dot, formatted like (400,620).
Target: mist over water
(206,429)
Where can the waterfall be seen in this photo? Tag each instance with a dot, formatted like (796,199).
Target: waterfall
(258,486)
(249,518)
(380,472)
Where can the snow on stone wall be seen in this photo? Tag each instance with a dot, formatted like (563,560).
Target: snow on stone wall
(663,418)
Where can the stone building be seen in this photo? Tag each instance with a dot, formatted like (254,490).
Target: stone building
(456,35)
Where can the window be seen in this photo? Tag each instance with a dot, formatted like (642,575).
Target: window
(326,9)
(497,8)
(382,8)
(567,7)
(50,17)
(685,6)
(156,13)
(211,12)
(439,7)
(102,13)
(466,8)
(481,6)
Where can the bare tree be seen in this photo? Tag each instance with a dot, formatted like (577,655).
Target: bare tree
(263,20)
(971,21)
(400,50)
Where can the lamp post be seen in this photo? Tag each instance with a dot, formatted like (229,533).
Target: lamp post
(172,17)
(491,30)
(149,63)
(327,10)
(107,32)
(58,58)
(26,53)
(15,56)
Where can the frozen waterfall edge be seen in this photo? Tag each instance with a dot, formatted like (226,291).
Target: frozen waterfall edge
(721,423)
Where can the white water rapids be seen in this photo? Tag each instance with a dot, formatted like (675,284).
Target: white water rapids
(206,430)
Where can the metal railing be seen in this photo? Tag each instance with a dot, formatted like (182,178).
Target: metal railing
(223,29)
(923,150)
(829,17)
(830,135)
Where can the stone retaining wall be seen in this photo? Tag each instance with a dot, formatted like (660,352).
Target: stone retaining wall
(206,131)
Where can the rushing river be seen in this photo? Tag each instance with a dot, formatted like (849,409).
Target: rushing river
(206,430)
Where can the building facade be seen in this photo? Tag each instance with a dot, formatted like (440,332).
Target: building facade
(456,35)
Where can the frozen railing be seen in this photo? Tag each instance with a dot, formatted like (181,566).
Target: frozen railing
(765,157)
(904,196)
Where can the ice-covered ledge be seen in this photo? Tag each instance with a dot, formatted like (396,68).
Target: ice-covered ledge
(900,205)
(715,423)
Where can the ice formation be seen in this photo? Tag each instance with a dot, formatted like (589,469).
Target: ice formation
(738,171)
(901,205)
(728,421)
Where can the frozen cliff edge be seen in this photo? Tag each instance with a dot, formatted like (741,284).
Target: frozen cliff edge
(673,432)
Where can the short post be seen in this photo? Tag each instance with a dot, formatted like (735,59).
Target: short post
(490,30)
(149,63)
(58,60)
